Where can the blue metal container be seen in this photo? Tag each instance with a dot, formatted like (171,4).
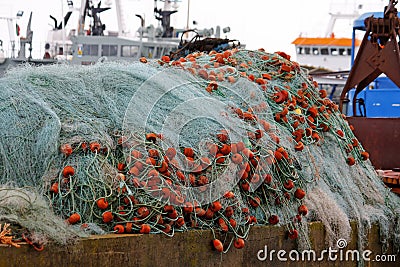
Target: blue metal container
(381,100)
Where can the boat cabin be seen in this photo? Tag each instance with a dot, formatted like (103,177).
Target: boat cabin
(330,53)
(87,50)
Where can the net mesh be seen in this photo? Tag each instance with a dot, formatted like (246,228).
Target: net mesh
(219,141)
(30,216)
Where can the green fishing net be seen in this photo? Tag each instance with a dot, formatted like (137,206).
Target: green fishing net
(218,141)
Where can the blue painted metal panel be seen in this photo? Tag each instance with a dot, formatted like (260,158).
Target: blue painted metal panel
(379,103)
(384,83)
(382,103)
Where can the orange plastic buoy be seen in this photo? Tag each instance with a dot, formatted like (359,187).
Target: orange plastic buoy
(218,245)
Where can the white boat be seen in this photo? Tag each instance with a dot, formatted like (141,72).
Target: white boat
(330,53)
(329,57)
(88,44)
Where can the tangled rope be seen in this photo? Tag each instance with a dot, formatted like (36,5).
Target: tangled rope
(218,141)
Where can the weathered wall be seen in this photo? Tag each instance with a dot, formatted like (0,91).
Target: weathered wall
(191,248)
(378,136)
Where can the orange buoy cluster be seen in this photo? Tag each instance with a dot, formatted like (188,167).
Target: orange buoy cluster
(296,100)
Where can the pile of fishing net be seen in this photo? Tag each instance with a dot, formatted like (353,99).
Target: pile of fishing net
(219,141)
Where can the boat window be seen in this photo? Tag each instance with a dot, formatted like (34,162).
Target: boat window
(348,51)
(334,51)
(315,51)
(158,52)
(307,50)
(299,50)
(90,50)
(324,51)
(129,50)
(109,50)
(144,52)
(150,52)
(342,52)
(87,63)
(69,49)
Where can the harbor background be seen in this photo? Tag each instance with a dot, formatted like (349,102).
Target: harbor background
(257,23)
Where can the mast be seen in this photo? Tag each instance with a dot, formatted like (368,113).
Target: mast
(334,17)
(26,40)
(63,27)
(120,18)
(11,29)
(341,10)
(11,32)
(82,15)
(164,15)
(187,17)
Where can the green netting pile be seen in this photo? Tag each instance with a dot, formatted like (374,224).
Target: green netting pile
(218,141)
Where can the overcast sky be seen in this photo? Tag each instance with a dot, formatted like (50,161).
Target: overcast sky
(272,25)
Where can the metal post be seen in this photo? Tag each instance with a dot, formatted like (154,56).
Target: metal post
(187,18)
(353,45)
(63,27)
